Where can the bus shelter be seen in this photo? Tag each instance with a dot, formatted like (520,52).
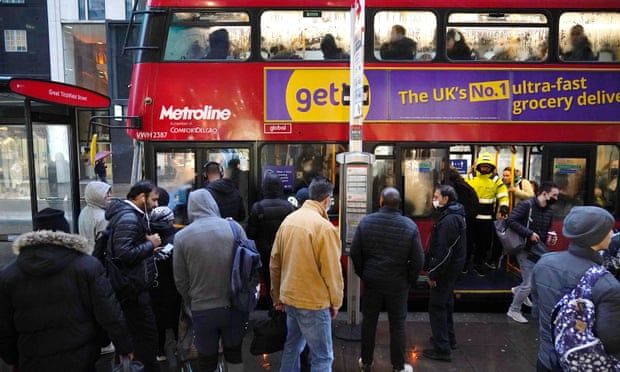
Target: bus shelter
(39,151)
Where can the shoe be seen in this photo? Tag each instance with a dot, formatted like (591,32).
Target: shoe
(517,317)
(490,266)
(480,270)
(434,354)
(452,346)
(108,349)
(527,302)
(406,368)
(161,358)
(364,367)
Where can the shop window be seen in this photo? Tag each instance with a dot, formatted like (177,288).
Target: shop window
(421,168)
(15,41)
(305,35)
(84,48)
(218,36)
(502,37)
(606,185)
(590,37)
(405,36)
(14,181)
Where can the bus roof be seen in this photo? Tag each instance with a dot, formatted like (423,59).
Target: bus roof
(509,4)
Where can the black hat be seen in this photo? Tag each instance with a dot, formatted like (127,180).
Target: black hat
(51,219)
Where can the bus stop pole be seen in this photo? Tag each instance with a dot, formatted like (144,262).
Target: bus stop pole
(34,207)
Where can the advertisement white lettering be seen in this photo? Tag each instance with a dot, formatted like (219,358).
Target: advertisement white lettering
(207,112)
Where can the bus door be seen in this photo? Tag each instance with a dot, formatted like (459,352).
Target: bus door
(572,168)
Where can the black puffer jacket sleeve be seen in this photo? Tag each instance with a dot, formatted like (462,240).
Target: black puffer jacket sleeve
(606,294)
(517,220)
(107,310)
(416,257)
(8,333)
(445,239)
(128,232)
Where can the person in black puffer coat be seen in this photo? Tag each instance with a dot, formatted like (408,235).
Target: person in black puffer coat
(165,298)
(133,246)
(387,255)
(224,191)
(446,256)
(265,219)
(56,303)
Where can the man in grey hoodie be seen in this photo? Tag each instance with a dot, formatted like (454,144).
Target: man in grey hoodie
(202,262)
(92,218)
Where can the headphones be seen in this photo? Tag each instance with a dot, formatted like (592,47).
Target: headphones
(211,164)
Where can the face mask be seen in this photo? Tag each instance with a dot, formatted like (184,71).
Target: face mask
(551,201)
(436,204)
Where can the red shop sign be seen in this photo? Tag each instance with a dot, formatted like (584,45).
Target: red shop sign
(59,93)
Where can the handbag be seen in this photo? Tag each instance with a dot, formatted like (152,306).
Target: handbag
(512,243)
(269,334)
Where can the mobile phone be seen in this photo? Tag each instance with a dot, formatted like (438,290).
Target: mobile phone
(167,248)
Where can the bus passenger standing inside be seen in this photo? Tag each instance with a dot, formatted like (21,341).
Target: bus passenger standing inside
(447,254)
(456,46)
(330,48)
(581,48)
(219,44)
(387,255)
(306,279)
(228,198)
(399,46)
(492,196)
(521,189)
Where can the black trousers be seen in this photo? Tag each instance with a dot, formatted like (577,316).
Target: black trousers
(143,330)
(395,302)
(440,310)
(482,238)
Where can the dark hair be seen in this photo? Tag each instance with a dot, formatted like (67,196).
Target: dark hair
(447,190)
(546,186)
(391,197)
(319,189)
(212,167)
(509,169)
(218,39)
(164,197)
(400,29)
(141,187)
(461,50)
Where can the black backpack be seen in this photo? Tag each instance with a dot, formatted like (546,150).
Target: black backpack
(468,197)
(102,251)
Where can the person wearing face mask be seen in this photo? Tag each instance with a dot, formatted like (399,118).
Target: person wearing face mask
(532,220)
(133,247)
(492,196)
(446,256)
(92,218)
(306,279)
(589,230)
(387,255)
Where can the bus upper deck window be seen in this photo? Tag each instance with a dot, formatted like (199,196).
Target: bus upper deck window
(305,35)
(590,37)
(489,37)
(220,36)
(405,35)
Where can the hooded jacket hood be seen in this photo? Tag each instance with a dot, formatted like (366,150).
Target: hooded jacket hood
(201,204)
(45,252)
(272,186)
(95,193)
(222,186)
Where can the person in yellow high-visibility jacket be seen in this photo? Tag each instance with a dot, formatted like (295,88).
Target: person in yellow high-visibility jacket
(492,197)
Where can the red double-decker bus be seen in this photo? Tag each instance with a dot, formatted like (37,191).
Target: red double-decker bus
(263,86)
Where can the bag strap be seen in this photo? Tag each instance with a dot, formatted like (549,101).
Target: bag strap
(588,281)
(235,230)
(529,216)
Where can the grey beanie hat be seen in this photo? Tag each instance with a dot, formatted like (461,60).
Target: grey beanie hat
(587,226)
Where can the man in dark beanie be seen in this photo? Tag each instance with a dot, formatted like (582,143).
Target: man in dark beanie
(589,230)
(55,299)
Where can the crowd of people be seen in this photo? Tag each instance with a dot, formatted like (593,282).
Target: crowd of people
(61,306)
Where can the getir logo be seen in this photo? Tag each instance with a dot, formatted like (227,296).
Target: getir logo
(207,112)
(321,95)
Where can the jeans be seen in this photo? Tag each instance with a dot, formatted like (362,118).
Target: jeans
(313,327)
(213,324)
(440,310)
(396,305)
(523,290)
(141,324)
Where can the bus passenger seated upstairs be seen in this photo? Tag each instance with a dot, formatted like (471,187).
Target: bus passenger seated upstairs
(219,44)
(456,46)
(330,48)
(399,46)
(581,47)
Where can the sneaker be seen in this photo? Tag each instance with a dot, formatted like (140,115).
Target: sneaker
(480,270)
(527,302)
(108,349)
(406,368)
(490,266)
(161,358)
(517,317)
(434,354)
(364,367)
